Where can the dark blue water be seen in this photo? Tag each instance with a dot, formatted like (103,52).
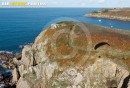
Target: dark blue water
(21,26)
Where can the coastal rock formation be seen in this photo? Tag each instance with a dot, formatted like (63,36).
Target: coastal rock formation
(6,60)
(6,65)
(76,55)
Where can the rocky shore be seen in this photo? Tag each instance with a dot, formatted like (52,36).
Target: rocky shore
(6,68)
(123,15)
(74,55)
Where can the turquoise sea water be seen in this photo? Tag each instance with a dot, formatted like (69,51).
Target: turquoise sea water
(20,26)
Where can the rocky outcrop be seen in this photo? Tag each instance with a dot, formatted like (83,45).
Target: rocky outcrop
(6,60)
(64,57)
(6,65)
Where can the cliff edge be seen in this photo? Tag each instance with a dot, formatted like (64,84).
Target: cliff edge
(75,55)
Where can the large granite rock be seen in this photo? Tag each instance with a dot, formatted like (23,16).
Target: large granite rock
(75,55)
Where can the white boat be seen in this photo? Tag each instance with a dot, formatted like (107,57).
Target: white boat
(100,20)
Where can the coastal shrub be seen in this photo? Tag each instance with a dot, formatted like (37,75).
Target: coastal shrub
(64,84)
(62,24)
(94,12)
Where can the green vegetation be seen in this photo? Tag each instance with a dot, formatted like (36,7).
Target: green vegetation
(62,25)
(63,84)
(95,12)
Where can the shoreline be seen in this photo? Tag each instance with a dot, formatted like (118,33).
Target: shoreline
(6,69)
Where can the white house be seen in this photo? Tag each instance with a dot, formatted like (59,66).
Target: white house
(53,26)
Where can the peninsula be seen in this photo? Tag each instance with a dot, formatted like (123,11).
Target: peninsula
(117,14)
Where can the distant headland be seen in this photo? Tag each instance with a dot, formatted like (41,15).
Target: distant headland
(115,13)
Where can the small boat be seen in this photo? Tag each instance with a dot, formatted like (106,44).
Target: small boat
(99,20)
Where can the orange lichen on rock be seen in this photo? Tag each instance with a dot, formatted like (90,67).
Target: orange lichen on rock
(60,46)
(114,41)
